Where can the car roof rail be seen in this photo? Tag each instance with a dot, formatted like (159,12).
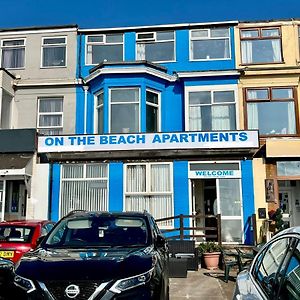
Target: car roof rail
(74,211)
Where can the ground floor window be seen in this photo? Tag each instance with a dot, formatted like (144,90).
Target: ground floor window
(84,186)
(149,187)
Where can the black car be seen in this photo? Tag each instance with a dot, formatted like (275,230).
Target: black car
(97,255)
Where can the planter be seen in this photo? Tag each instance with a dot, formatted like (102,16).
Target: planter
(211,260)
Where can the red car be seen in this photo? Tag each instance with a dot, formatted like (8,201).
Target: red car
(18,237)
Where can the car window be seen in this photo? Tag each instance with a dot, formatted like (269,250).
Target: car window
(16,234)
(290,287)
(269,262)
(46,228)
(99,231)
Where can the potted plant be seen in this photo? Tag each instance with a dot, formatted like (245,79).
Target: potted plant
(210,251)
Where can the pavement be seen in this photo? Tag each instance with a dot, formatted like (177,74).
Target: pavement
(203,284)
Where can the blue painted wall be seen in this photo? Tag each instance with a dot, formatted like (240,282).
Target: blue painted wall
(248,199)
(181,191)
(115,187)
(181,51)
(54,213)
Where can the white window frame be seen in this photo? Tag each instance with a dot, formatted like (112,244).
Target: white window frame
(208,38)
(110,103)
(87,63)
(158,106)
(154,40)
(7,47)
(212,88)
(148,186)
(84,178)
(43,46)
(96,107)
(50,113)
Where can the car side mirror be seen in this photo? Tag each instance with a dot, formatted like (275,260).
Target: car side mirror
(160,241)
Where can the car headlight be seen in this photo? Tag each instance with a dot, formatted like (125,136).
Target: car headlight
(131,282)
(24,283)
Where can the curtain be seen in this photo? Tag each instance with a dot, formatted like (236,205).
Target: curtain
(276,50)
(136,178)
(220,117)
(160,178)
(291,118)
(13,58)
(247,52)
(140,51)
(252,110)
(195,119)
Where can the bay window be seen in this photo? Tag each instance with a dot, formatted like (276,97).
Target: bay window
(104,47)
(155,46)
(84,186)
(210,43)
(13,54)
(149,187)
(124,110)
(50,115)
(271,110)
(261,45)
(211,110)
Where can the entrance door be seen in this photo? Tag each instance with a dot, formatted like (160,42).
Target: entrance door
(2,202)
(285,198)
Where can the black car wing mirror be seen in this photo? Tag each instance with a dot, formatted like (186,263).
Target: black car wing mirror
(160,241)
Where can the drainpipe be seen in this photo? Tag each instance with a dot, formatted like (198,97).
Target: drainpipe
(85,88)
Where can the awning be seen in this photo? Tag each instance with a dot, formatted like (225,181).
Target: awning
(16,164)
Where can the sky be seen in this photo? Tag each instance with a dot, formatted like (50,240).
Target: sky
(124,13)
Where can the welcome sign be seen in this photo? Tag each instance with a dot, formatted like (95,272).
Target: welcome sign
(149,141)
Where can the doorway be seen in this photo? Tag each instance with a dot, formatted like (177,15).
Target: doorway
(289,201)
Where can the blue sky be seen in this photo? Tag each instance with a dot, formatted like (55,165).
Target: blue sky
(119,13)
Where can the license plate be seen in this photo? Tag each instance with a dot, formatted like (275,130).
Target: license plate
(7,254)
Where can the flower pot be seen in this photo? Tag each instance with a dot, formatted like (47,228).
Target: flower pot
(211,260)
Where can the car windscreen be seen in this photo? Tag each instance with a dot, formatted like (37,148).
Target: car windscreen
(99,231)
(16,234)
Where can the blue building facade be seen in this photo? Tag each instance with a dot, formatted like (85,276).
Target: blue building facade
(157,128)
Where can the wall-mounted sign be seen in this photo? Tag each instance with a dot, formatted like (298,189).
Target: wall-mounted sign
(215,174)
(270,190)
(149,141)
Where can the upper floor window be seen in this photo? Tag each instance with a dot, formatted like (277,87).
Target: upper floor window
(50,115)
(211,110)
(13,54)
(210,43)
(261,45)
(54,52)
(104,47)
(271,110)
(155,46)
(99,120)
(124,110)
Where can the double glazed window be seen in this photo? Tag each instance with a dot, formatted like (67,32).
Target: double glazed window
(261,45)
(13,54)
(155,46)
(54,52)
(83,186)
(125,111)
(210,43)
(271,110)
(149,187)
(50,115)
(211,110)
(104,47)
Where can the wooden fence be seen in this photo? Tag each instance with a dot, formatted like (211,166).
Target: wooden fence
(212,232)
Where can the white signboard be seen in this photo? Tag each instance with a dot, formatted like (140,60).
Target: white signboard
(215,174)
(149,141)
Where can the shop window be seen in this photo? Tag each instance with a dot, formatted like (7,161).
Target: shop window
(271,110)
(84,186)
(13,54)
(149,187)
(104,47)
(54,52)
(210,44)
(50,115)
(211,110)
(155,46)
(261,45)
